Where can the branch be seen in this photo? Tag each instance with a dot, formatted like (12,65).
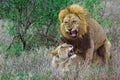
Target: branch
(11,43)
(29,23)
(23,41)
(48,26)
(48,38)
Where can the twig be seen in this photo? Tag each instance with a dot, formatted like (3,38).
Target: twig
(11,43)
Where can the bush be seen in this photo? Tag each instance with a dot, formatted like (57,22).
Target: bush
(36,21)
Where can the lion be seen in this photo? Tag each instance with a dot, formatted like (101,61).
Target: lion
(64,58)
(84,33)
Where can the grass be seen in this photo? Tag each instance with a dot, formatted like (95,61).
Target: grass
(36,65)
(32,65)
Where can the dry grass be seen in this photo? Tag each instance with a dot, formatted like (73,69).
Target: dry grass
(32,65)
(36,65)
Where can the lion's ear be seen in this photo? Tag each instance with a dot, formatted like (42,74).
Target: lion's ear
(62,14)
(54,53)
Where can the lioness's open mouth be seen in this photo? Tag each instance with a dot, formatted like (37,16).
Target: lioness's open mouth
(71,54)
(73,34)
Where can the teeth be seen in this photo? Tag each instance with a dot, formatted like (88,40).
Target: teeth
(71,49)
(73,56)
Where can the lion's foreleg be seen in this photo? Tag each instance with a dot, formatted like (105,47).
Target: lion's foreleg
(89,52)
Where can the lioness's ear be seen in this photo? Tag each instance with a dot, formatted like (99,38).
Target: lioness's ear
(54,53)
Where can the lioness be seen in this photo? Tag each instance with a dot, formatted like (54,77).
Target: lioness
(64,57)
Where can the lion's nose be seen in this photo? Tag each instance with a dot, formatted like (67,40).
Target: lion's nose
(70,29)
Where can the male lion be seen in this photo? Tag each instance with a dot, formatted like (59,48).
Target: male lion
(84,33)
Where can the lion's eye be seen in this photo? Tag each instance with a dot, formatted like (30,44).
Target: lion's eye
(66,22)
(74,21)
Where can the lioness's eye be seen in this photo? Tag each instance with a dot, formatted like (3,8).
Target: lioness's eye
(62,47)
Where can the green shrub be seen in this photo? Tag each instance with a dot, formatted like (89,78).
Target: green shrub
(36,21)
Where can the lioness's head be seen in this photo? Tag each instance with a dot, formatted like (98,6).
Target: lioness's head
(73,21)
(64,51)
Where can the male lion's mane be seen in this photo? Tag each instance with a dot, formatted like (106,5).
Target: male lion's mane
(81,13)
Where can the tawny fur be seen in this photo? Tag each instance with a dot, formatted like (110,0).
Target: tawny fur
(90,36)
(60,59)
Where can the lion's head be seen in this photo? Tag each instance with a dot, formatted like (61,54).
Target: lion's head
(73,21)
(64,51)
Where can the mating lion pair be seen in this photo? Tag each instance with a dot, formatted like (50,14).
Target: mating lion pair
(84,34)
(64,58)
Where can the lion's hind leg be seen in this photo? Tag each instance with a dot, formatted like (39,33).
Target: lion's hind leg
(105,52)
(108,53)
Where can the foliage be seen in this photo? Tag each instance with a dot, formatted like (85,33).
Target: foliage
(36,21)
